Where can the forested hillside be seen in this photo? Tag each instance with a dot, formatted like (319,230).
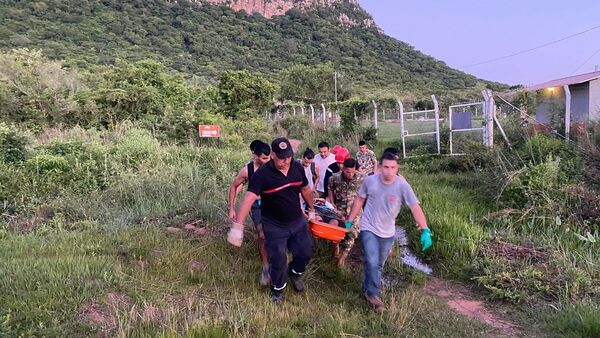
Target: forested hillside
(203,40)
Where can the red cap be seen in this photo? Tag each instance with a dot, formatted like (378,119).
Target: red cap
(336,148)
(341,155)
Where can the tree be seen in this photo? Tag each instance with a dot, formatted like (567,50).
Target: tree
(313,84)
(244,94)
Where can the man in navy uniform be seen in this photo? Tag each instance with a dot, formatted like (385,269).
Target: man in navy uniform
(279,184)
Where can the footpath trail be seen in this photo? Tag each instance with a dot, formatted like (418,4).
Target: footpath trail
(463,301)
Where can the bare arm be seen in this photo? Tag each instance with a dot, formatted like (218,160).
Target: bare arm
(317,178)
(234,189)
(307,196)
(419,216)
(244,208)
(376,167)
(330,197)
(356,206)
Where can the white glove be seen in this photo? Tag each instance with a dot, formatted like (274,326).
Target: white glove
(235,236)
(312,215)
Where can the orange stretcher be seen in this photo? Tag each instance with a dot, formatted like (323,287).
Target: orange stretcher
(327,231)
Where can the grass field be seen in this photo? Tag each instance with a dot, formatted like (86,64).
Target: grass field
(143,281)
(81,260)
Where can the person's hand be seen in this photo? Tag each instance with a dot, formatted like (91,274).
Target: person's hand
(348,224)
(312,215)
(235,236)
(232,213)
(426,241)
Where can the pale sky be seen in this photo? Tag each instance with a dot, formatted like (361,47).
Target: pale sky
(465,32)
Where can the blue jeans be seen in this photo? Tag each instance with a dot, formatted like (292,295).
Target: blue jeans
(376,250)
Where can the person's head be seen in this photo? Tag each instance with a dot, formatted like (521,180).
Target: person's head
(349,168)
(323,149)
(393,151)
(362,146)
(253,144)
(262,152)
(308,157)
(388,166)
(341,155)
(281,153)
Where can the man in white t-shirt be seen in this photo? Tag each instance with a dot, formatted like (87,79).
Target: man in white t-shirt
(385,193)
(323,161)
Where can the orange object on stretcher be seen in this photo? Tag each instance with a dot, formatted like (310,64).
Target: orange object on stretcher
(327,231)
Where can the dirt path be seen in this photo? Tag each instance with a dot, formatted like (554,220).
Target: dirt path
(462,300)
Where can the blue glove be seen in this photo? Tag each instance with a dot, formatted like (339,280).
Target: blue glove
(426,241)
(348,224)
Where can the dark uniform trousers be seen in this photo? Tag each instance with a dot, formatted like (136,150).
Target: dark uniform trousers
(295,237)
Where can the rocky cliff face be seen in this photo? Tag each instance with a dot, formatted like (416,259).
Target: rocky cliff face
(270,8)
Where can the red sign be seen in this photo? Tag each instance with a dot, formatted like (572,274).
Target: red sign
(209,130)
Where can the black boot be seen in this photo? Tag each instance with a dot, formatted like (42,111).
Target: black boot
(277,296)
(296,280)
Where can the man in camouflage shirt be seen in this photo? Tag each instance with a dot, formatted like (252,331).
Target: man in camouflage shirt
(367,161)
(342,189)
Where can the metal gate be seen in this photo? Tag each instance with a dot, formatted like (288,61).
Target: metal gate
(463,120)
(419,123)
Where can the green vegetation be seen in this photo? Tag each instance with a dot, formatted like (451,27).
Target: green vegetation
(84,248)
(203,41)
(99,155)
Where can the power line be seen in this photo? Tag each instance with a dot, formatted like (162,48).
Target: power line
(586,61)
(530,49)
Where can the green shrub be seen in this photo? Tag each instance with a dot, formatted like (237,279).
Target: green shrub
(535,186)
(134,147)
(295,126)
(13,144)
(589,151)
(538,148)
(45,164)
(575,321)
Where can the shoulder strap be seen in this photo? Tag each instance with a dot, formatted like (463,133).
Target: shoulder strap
(250,169)
(312,168)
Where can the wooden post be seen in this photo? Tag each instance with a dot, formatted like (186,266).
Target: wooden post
(567,111)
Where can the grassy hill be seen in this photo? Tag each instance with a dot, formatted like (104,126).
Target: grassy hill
(202,41)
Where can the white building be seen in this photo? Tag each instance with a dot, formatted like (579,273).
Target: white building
(574,98)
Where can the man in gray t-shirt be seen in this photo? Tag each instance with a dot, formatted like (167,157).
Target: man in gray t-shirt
(384,203)
(385,193)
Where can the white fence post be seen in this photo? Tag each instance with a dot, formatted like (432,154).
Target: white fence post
(324,116)
(489,110)
(436,107)
(312,112)
(401,118)
(375,114)
(450,127)
(567,111)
